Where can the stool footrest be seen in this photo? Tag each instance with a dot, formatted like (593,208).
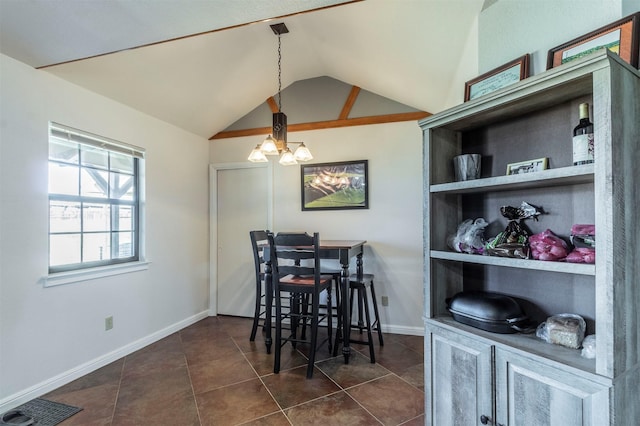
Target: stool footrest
(364,281)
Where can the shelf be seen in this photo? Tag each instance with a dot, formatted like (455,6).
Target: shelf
(538,265)
(528,343)
(546,178)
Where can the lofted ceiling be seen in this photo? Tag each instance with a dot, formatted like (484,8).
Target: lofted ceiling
(203,64)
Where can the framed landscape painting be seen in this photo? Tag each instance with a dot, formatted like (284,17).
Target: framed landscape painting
(621,37)
(335,186)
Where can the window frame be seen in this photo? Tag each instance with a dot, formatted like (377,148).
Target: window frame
(69,272)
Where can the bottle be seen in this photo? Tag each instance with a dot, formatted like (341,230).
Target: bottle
(583,138)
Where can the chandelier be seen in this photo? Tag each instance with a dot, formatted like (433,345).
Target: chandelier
(276,142)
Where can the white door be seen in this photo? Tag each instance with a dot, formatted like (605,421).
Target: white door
(240,195)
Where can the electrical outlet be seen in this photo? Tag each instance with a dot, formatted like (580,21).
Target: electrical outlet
(385,300)
(108,323)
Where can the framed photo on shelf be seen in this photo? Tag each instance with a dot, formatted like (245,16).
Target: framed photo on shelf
(621,37)
(503,76)
(528,166)
(335,186)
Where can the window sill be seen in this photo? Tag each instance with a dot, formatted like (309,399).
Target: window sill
(61,278)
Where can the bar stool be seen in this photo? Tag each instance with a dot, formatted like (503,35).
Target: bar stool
(258,240)
(358,286)
(294,268)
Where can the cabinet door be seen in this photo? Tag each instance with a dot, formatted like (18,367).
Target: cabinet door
(458,379)
(529,392)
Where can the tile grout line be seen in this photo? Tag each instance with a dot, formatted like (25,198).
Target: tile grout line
(263,385)
(411,419)
(115,403)
(362,406)
(193,392)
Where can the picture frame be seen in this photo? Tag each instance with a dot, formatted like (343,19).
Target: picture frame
(529,166)
(500,77)
(621,37)
(335,186)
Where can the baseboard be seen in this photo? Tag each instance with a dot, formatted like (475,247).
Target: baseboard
(399,329)
(394,329)
(68,376)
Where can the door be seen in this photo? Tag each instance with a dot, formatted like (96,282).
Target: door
(529,392)
(240,202)
(458,379)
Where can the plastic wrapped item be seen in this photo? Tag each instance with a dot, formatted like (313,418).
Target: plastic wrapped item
(582,255)
(589,347)
(563,329)
(579,229)
(470,237)
(548,246)
(514,240)
(583,236)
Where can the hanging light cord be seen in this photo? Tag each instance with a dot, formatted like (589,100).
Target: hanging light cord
(279,75)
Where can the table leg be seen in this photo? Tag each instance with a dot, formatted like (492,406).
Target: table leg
(346,314)
(359,272)
(268,296)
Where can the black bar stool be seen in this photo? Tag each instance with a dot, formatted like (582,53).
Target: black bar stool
(359,286)
(258,240)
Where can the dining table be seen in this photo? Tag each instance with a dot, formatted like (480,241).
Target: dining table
(342,250)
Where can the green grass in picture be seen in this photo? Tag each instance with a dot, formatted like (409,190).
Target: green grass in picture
(343,198)
(614,47)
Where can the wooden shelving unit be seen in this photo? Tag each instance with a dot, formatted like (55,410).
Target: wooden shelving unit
(508,378)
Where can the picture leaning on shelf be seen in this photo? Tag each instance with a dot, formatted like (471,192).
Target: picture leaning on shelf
(528,166)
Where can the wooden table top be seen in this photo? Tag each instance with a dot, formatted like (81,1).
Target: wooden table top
(338,244)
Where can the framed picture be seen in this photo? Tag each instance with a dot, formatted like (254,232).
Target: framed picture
(528,166)
(335,186)
(503,76)
(620,37)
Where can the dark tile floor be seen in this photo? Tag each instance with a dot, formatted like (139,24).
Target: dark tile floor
(211,374)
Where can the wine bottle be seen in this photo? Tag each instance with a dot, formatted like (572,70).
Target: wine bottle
(583,138)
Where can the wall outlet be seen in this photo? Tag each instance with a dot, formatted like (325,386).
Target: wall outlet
(385,300)
(108,323)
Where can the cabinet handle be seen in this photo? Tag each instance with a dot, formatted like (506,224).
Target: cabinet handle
(484,419)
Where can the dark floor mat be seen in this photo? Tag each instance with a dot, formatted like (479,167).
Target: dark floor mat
(47,413)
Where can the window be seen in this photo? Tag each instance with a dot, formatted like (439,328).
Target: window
(94,208)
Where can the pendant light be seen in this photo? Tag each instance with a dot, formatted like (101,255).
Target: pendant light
(276,142)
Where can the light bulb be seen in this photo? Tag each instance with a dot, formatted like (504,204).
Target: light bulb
(302,153)
(287,158)
(269,147)
(257,156)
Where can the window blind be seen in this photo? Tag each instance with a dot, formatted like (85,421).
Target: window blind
(73,135)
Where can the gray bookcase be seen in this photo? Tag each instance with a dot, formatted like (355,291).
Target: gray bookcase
(478,377)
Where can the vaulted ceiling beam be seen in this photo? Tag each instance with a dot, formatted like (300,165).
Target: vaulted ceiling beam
(342,121)
(329,124)
(351,99)
(273,105)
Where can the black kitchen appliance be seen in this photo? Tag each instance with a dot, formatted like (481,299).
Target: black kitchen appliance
(494,312)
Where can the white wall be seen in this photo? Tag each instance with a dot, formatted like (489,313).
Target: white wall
(51,335)
(510,28)
(467,69)
(392,225)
